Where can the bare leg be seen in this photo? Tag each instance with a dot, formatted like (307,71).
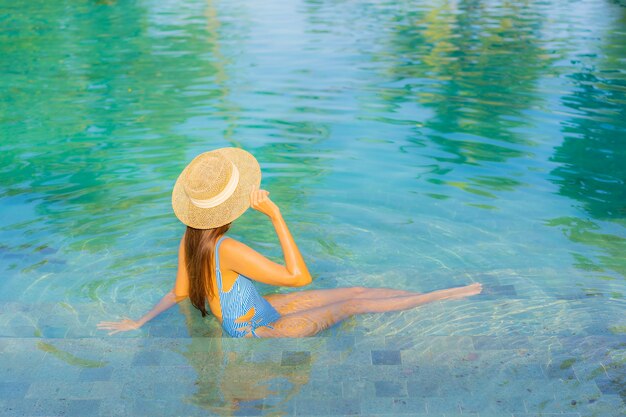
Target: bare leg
(310,322)
(309,299)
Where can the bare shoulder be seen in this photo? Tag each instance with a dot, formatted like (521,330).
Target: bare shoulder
(229,245)
(237,256)
(228,250)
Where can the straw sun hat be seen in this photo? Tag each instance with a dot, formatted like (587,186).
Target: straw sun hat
(214,189)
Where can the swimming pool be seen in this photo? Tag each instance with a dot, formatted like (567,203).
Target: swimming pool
(410,144)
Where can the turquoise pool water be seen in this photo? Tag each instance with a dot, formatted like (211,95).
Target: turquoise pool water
(410,144)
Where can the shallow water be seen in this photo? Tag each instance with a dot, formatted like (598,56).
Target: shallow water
(412,144)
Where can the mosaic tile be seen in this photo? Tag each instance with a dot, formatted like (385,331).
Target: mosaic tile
(616,369)
(328,358)
(475,415)
(146,358)
(9,344)
(105,390)
(139,388)
(416,356)
(322,389)
(487,343)
(546,405)
(358,388)
(457,387)
(451,357)
(423,387)
(545,415)
(390,389)
(53,331)
(81,408)
(15,390)
(383,406)
(607,385)
(408,405)
(386,357)
(442,405)
(357,357)
(340,343)
(559,371)
(15,373)
(311,406)
(168,331)
(17,331)
(370,343)
(177,387)
(345,406)
(149,407)
(505,372)
(445,343)
(294,358)
(400,342)
(501,290)
(95,374)
(341,371)
(67,390)
(524,371)
(279,405)
(115,407)
(169,358)
(249,408)
(35,407)
(605,406)
(267,355)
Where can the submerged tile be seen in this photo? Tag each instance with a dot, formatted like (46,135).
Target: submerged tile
(390,389)
(146,358)
(14,390)
(95,374)
(311,406)
(335,343)
(291,358)
(408,405)
(443,405)
(249,408)
(487,343)
(386,357)
(81,408)
(345,406)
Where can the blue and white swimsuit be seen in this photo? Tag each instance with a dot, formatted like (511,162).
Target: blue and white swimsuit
(239,301)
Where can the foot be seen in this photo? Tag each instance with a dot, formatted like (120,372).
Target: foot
(456,293)
(466,291)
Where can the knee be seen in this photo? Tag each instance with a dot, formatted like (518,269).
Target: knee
(358,290)
(352,307)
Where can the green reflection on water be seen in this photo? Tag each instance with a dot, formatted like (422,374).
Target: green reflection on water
(461,113)
(591,158)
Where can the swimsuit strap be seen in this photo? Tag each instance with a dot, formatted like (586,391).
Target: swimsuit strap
(216,253)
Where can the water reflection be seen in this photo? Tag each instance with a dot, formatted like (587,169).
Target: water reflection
(374,121)
(476,68)
(591,158)
(244,376)
(101,105)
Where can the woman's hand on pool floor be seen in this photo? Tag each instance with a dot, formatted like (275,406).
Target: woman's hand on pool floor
(119,326)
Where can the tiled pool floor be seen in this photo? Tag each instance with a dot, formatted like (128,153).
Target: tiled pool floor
(46,371)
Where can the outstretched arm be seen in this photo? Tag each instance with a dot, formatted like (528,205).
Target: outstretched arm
(177,294)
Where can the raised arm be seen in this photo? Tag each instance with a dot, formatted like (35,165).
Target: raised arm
(246,261)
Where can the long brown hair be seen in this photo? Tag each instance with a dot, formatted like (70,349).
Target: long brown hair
(199,245)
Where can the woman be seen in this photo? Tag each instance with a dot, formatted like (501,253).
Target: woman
(212,191)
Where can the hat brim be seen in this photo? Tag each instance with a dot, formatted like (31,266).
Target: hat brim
(229,210)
